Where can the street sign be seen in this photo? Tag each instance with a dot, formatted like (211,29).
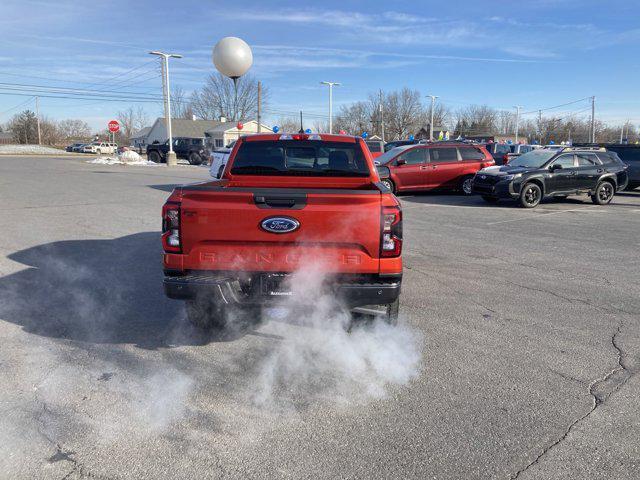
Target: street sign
(114,126)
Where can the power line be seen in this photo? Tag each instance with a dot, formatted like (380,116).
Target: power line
(556,106)
(18,106)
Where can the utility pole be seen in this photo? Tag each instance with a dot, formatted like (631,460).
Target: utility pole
(518,108)
(259,104)
(301,127)
(433,102)
(381,117)
(331,85)
(166,91)
(593,119)
(540,126)
(38,119)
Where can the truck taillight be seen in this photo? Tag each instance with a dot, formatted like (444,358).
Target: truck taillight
(171,228)
(391,227)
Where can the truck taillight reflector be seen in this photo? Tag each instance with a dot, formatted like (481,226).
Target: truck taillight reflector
(171,228)
(391,229)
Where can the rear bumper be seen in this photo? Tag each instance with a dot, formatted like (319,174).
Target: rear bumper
(352,291)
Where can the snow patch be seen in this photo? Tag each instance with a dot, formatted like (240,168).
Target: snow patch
(30,150)
(128,157)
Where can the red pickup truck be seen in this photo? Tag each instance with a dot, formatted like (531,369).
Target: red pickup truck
(284,203)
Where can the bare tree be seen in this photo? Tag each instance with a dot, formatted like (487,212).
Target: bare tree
(354,118)
(288,124)
(180,105)
(403,112)
(131,120)
(74,129)
(217,98)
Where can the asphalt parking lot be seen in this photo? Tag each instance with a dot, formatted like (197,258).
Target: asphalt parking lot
(525,323)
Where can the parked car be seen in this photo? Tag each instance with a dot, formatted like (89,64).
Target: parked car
(79,148)
(498,151)
(191,149)
(434,165)
(376,147)
(630,155)
(399,143)
(516,150)
(546,173)
(100,147)
(74,147)
(285,202)
(218,159)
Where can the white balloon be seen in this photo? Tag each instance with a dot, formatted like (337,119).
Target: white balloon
(232,57)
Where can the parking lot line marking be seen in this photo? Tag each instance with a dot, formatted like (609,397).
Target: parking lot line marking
(451,206)
(541,215)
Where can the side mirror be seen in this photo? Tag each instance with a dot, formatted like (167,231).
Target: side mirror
(556,166)
(383,171)
(401,161)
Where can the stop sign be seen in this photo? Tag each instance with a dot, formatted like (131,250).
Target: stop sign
(114,126)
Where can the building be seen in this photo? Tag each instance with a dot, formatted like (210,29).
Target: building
(224,133)
(438,132)
(139,139)
(218,133)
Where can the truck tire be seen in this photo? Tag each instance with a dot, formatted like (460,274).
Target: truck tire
(194,159)
(392,311)
(603,193)
(155,157)
(205,315)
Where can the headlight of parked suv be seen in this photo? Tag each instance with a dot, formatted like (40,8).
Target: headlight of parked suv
(511,177)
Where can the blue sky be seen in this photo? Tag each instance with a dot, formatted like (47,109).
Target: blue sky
(536,54)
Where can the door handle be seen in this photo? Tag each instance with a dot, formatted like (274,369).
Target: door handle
(600,170)
(574,173)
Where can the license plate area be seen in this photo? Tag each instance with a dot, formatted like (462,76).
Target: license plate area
(275,285)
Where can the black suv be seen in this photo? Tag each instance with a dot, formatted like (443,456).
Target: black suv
(554,173)
(191,149)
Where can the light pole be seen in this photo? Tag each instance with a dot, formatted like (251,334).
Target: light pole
(433,103)
(331,85)
(518,108)
(232,57)
(171,156)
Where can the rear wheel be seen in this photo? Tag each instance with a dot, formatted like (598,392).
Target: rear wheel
(603,194)
(155,157)
(489,199)
(466,186)
(194,159)
(530,195)
(387,182)
(205,314)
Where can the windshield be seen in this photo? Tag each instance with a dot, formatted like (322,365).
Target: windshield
(389,155)
(300,158)
(535,158)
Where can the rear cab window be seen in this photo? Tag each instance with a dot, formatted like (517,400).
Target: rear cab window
(300,158)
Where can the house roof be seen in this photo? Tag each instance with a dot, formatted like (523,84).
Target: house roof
(143,132)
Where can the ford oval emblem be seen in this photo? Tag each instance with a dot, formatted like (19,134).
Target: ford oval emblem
(280,224)
(483,177)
